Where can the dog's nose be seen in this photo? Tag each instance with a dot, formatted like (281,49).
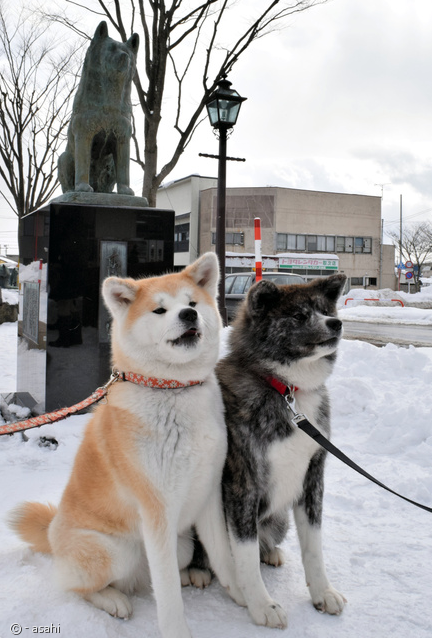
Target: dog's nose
(334,324)
(188,314)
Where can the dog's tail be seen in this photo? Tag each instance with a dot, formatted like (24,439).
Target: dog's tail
(31,521)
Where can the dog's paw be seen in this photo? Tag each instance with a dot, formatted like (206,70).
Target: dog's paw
(199,578)
(270,615)
(112,601)
(274,557)
(122,189)
(82,187)
(331,601)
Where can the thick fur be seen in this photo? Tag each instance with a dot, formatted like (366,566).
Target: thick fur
(150,464)
(291,333)
(97,155)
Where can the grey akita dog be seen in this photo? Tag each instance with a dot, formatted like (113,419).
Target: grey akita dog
(283,336)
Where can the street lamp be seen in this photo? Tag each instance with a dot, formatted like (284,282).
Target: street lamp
(223,107)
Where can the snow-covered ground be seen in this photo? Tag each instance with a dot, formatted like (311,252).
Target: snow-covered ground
(378,548)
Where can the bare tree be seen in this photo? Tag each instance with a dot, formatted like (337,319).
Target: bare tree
(416,246)
(36,84)
(183,38)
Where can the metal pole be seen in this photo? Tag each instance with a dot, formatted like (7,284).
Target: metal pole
(220,220)
(381,251)
(400,232)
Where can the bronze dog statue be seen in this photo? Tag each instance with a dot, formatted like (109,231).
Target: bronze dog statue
(98,149)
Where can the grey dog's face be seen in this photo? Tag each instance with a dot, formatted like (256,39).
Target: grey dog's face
(296,321)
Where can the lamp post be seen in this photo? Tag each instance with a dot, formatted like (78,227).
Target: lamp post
(223,107)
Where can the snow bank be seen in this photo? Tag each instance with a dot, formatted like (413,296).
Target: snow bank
(384,314)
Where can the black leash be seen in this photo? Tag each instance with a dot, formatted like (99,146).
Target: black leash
(301,421)
(306,426)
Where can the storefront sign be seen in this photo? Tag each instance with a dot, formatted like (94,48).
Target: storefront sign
(308,263)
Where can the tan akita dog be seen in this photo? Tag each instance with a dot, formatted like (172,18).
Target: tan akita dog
(150,463)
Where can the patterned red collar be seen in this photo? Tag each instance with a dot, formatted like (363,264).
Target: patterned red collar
(152,382)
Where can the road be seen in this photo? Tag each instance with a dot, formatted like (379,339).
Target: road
(382,333)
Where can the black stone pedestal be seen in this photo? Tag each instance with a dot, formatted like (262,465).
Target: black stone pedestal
(66,251)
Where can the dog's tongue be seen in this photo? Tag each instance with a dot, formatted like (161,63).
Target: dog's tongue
(190,333)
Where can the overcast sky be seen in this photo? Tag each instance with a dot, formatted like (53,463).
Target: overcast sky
(340,100)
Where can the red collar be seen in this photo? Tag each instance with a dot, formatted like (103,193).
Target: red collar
(282,388)
(152,382)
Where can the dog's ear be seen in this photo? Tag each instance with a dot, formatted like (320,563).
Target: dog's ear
(101,31)
(262,297)
(331,286)
(133,43)
(118,294)
(205,273)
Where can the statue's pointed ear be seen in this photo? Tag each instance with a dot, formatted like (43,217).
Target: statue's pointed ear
(133,43)
(101,31)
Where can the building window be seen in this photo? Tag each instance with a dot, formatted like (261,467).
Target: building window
(236,239)
(291,242)
(301,242)
(363,281)
(181,238)
(321,243)
(358,242)
(330,244)
(281,241)
(340,244)
(354,244)
(310,243)
(349,244)
(363,244)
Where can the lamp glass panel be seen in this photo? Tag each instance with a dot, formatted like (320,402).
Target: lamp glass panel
(212,109)
(223,111)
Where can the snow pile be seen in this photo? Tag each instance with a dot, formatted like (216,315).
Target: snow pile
(361,296)
(9,296)
(35,271)
(385,296)
(377,547)
(385,314)
(386,306)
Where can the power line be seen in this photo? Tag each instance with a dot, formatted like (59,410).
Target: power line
(427,210)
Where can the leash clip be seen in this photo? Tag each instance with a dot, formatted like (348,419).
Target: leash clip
(294,416)
(289,395)
(115,376)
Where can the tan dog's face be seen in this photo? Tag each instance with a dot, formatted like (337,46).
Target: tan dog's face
(166,321)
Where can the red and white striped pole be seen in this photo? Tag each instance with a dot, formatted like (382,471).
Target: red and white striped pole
(258,260)
(40,271)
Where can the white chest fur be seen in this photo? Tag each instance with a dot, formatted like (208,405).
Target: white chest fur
(181,442)
(289,459)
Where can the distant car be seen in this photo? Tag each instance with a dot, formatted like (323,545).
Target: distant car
(237,285)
